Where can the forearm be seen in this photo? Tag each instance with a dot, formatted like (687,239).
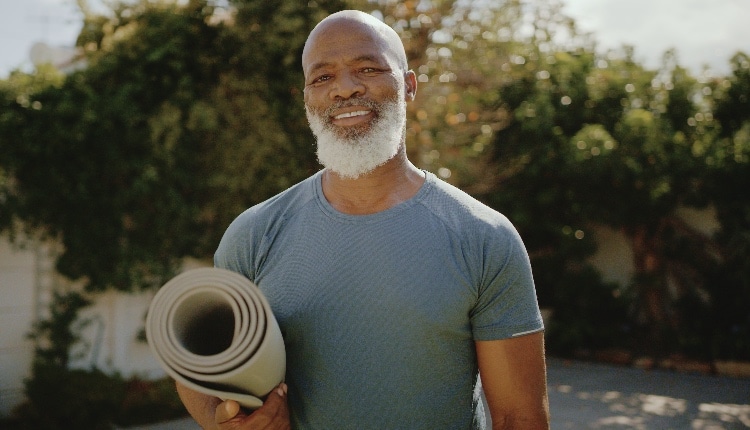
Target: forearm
(201,407)
(513,373)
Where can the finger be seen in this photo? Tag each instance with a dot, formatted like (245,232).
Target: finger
(274,412)
(226,411)
(277,398)
(281,390)
(281,407)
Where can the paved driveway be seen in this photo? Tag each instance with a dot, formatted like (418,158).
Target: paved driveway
(595,396)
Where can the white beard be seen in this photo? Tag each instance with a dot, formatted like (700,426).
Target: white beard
(354,152)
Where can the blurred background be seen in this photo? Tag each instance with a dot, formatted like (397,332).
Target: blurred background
(614,135)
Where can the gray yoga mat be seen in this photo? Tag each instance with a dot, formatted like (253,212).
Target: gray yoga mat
(213,331)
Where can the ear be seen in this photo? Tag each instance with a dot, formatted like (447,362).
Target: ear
(410,84)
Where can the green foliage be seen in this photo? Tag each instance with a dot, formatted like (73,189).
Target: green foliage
(59,398)
(729,177)
(181,120)
(733,110)
(588,314)
(56,336)
(86,169)
(63,399)
(148,401)
(590,140)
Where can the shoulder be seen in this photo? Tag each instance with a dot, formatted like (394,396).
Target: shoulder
(280,206)
(266,217)
(459,210)
(484,234)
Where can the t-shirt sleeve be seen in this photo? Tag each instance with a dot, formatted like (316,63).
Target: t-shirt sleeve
(237,249)
(507,304)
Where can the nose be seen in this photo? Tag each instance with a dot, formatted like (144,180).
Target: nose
(347,86)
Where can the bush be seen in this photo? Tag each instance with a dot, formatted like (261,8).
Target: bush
(65,399)
(148,402)
(589,314)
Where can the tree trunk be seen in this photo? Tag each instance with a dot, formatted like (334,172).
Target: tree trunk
(650,283)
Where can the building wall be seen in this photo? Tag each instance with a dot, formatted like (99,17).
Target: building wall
(111,337)
(23,286)
(614,257)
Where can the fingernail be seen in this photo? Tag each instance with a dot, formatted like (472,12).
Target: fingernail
(285,388)
(280,392)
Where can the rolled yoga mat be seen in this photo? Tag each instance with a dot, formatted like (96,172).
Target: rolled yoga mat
(213,331)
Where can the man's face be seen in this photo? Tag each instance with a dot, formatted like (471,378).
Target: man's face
(354,98)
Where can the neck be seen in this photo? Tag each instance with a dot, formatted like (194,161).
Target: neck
(384,187)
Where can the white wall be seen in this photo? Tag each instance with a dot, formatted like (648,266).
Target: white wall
(111,336)
(614,257)
(22,281)
(27,279)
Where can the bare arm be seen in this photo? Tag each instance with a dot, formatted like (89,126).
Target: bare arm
(212,413)
(514,379)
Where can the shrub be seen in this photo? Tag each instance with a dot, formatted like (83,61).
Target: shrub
(149,401)
(589,314)
(65,399)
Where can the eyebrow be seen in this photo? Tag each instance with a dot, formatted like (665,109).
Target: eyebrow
(361,59)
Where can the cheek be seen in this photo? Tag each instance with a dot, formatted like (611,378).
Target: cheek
(315,110)
(391,86)
(314,99)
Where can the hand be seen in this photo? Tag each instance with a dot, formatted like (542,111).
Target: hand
(272,415)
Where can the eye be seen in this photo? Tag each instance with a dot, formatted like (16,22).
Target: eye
(369,70)
(321,79)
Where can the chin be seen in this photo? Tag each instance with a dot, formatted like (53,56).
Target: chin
(352,133)
(357,150)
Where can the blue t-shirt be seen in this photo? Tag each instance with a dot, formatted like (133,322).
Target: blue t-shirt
(380,312)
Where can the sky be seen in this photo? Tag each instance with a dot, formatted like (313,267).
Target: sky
(703,32)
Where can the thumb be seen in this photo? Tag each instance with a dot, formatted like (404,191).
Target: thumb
(226,410)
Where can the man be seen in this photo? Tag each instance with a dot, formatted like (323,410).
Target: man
(393,289)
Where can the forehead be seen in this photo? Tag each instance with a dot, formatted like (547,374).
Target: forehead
(344,42)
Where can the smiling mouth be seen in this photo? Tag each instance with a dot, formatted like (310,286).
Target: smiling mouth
(352,114)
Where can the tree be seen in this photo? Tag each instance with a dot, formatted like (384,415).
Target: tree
(606,141)
(544,101)
(90,166)
(184,116)
(729,177)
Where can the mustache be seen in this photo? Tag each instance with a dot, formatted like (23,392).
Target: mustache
(355,101)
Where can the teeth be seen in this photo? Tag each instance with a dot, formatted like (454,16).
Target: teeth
(351,114)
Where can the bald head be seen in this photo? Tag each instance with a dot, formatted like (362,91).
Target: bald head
(349,22)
